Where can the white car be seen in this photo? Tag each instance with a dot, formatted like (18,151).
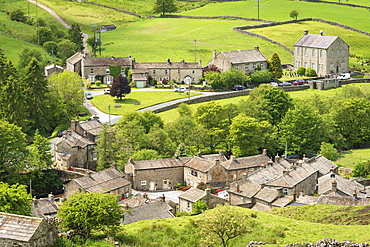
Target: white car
(180,89)
(344,76)
(107,91)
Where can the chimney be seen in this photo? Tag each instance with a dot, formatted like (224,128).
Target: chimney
(355,195)
(131,161)
(208,192)
(280,192)
(270,162)
(35,202)
(145,196)
(95,117)
(285,172)
(305,159)
(244,177)
(262,185)
(221,153)
(294,196)
(163,198)
(237,188)
(257,47)
(305,32)
(74,124)
(112,57)
(176,156)
(200,61)
(183,61)
(232,157)
(168,61)
(321,32)
(264,151)
(114,165)
(199,154)
(334,186)
(277,158)
(217,162)
(213,54)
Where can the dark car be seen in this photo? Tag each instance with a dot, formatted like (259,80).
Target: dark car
(285,83)
(299,82)
(238,87)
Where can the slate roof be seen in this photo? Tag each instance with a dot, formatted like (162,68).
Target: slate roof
(73,139)
(107,61)
(92,126)
(166,65)
(135,201)
(261,207)
(283,201)
(154,210)
(245,162)
(322,164)
(344,185)
(103,181)
(220,156)
(266,174)
(342,200)
(161,163)
(316,41)
(246,188)
(139,78)
(44,207)
(266,194)
(200,164)
(53,66)
(18,227)
(244,56)
(139,71)
(193,194)
(310,200)
(75,58)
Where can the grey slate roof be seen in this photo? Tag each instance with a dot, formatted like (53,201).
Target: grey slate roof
(316,41)
(193,194)
(166,65)
(107,61)
(44,207)
(283,201)
(344,185)
(245,162)
(154,210)
(200,164)
(266,194)
(73,139)
(246,188)
(75,58)
(18,227)
(103,181)
(161,163)
(310,200)
(53,66)
(322,164)
(92,126)
(135,201)
(244,56)
(342,200)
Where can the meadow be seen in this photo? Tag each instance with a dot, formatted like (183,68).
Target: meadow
(352,157)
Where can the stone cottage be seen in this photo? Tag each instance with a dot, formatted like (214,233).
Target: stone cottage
(25,231)
(53,69)
(325,54)
(243,60)
(74,63)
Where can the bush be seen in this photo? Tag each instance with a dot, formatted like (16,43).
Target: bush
(18,15)
(301,71)
(310,72)
(262,76)
(98,83)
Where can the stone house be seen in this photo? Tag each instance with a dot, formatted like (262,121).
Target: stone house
(325,54)
(74,63)
(333,184)
(322,164)
(243,60)
(106,28)
(97,68)
(162,174)
(77,146)
(193,195)
(242,192)
(181,72)
(110,180)
(53,69)
(44,208)
(25,231)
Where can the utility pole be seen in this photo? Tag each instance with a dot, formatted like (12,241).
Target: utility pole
(109,114)
(258,8)
(195,51)
(99,43)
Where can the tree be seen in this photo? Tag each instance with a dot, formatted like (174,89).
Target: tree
(329,151)
(115,70)
(164,6)
(105,148)
(12,147)
(274,66)
(18,15)
(224,223)
(184,110)
(66,48)
(160,141)
(181,150)
(75,36)
(301,71)
(39,156)
(120,87)
(261,76)
(199,207)
(14,199)
(226,80)
(362,169)
(310,72)
(84,213)
(51,47)
(146,154)
(294,14)
(26,56)
(44,35)
(146,119)
(213,68)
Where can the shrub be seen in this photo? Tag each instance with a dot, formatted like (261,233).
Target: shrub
(263,76)
(98,83)
(310,72)
(301,71)
(18,15)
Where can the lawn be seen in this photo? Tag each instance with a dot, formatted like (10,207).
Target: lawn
(352,157)
(146,98)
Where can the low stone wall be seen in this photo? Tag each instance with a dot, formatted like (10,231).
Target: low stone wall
(216,17)
(345,4)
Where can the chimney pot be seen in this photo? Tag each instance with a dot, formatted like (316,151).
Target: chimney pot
(213,54)
(305,32)
(264,152)
(321,32)
(244,176)
(232,157)
(257,47)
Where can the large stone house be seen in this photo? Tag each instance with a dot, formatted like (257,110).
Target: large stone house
(74,63)
(181,72)
(243,60)
(20,230)
(76,148)
(110,180)
(325,54)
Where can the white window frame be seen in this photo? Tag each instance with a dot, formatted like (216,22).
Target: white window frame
(143,183)
(305,64)
(321,53)
(92,78)
(305,51)
(285,191)
(298,50)
(261,66)
(313,53)
(107,71)
(91,71)
(313,66)
(254,66)
(247,67)
(209,177)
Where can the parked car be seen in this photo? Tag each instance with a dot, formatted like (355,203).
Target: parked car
(299,82)
(238,87)
(285,83)
(275,84)
(344,76)
(88,95)
(107,91)
(180,89)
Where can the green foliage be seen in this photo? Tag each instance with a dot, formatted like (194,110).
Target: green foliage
(51,47)
(75,36)
(120,87)
(105,148)
(301,70)
(18,15)
(362,169)
(14,199)
(182,151)
(261,76)
(294,14)
(66,48)
(44,35)
(310,72)
(115,70)
(184,110)
(101,212)
(146,119)
(274,66)
(329,151)
(26,56)
(39,157)
(164,6)
(199,207)
(224,223)
(146,154)
(226,80)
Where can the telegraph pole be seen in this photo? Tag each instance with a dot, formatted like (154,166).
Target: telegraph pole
(258,8)
(195,51)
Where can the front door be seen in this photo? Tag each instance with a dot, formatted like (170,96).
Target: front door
(152,185)
(165,184)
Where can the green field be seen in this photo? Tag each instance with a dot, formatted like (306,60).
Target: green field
(350,158)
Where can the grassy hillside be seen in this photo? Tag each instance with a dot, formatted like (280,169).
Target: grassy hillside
(273,230)
(350,158)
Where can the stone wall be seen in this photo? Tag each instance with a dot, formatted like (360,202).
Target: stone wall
(173,176)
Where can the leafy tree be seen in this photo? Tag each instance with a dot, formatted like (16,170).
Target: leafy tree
(184,110)
(199,207)
(226,80)
(164,6)
(39,156)
(224,223)
(120,87)
(274,66)
(213,68)
(14,199)
(146,119)
(160,141)
(26,56)
(75,36)
(66,49)
(261,76)
(58,33)
(51,47)
(310,72)
(146,154)
(44,35)
(105,147)
(182,150)
(329,151)
(248,136)
(362,169)
(115,70)
(41,22)
(18,15)
(101,212)
(301,70)
(302,130)
(294,14)
(214,79)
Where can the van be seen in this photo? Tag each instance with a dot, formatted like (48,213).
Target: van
(344,76)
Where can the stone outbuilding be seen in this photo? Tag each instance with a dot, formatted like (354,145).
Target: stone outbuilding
(74,63)
(25,231)
(53,69)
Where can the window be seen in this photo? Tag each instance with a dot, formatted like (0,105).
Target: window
(193,72)
(236,66)
(254,66)
(153,71)
(91,71)
(342,66)
(234,176)
(305,64)
(313,66)
(95,157)
(305,51)
(299,51)
(331,54)
(331,67)
(107,71)
(192,79)
(108,79)
(189,171)
(322,66)
(199,176)
(143,182)
(247,67)
(178,79)
(342,53)
(165,72)
(298,64)
(337,53)
(122,71)
(209,177)
(321,53)
(178,71)
(285,191)
(261,66)
(244,199)
(92,78)
(188,204)
(313,52)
